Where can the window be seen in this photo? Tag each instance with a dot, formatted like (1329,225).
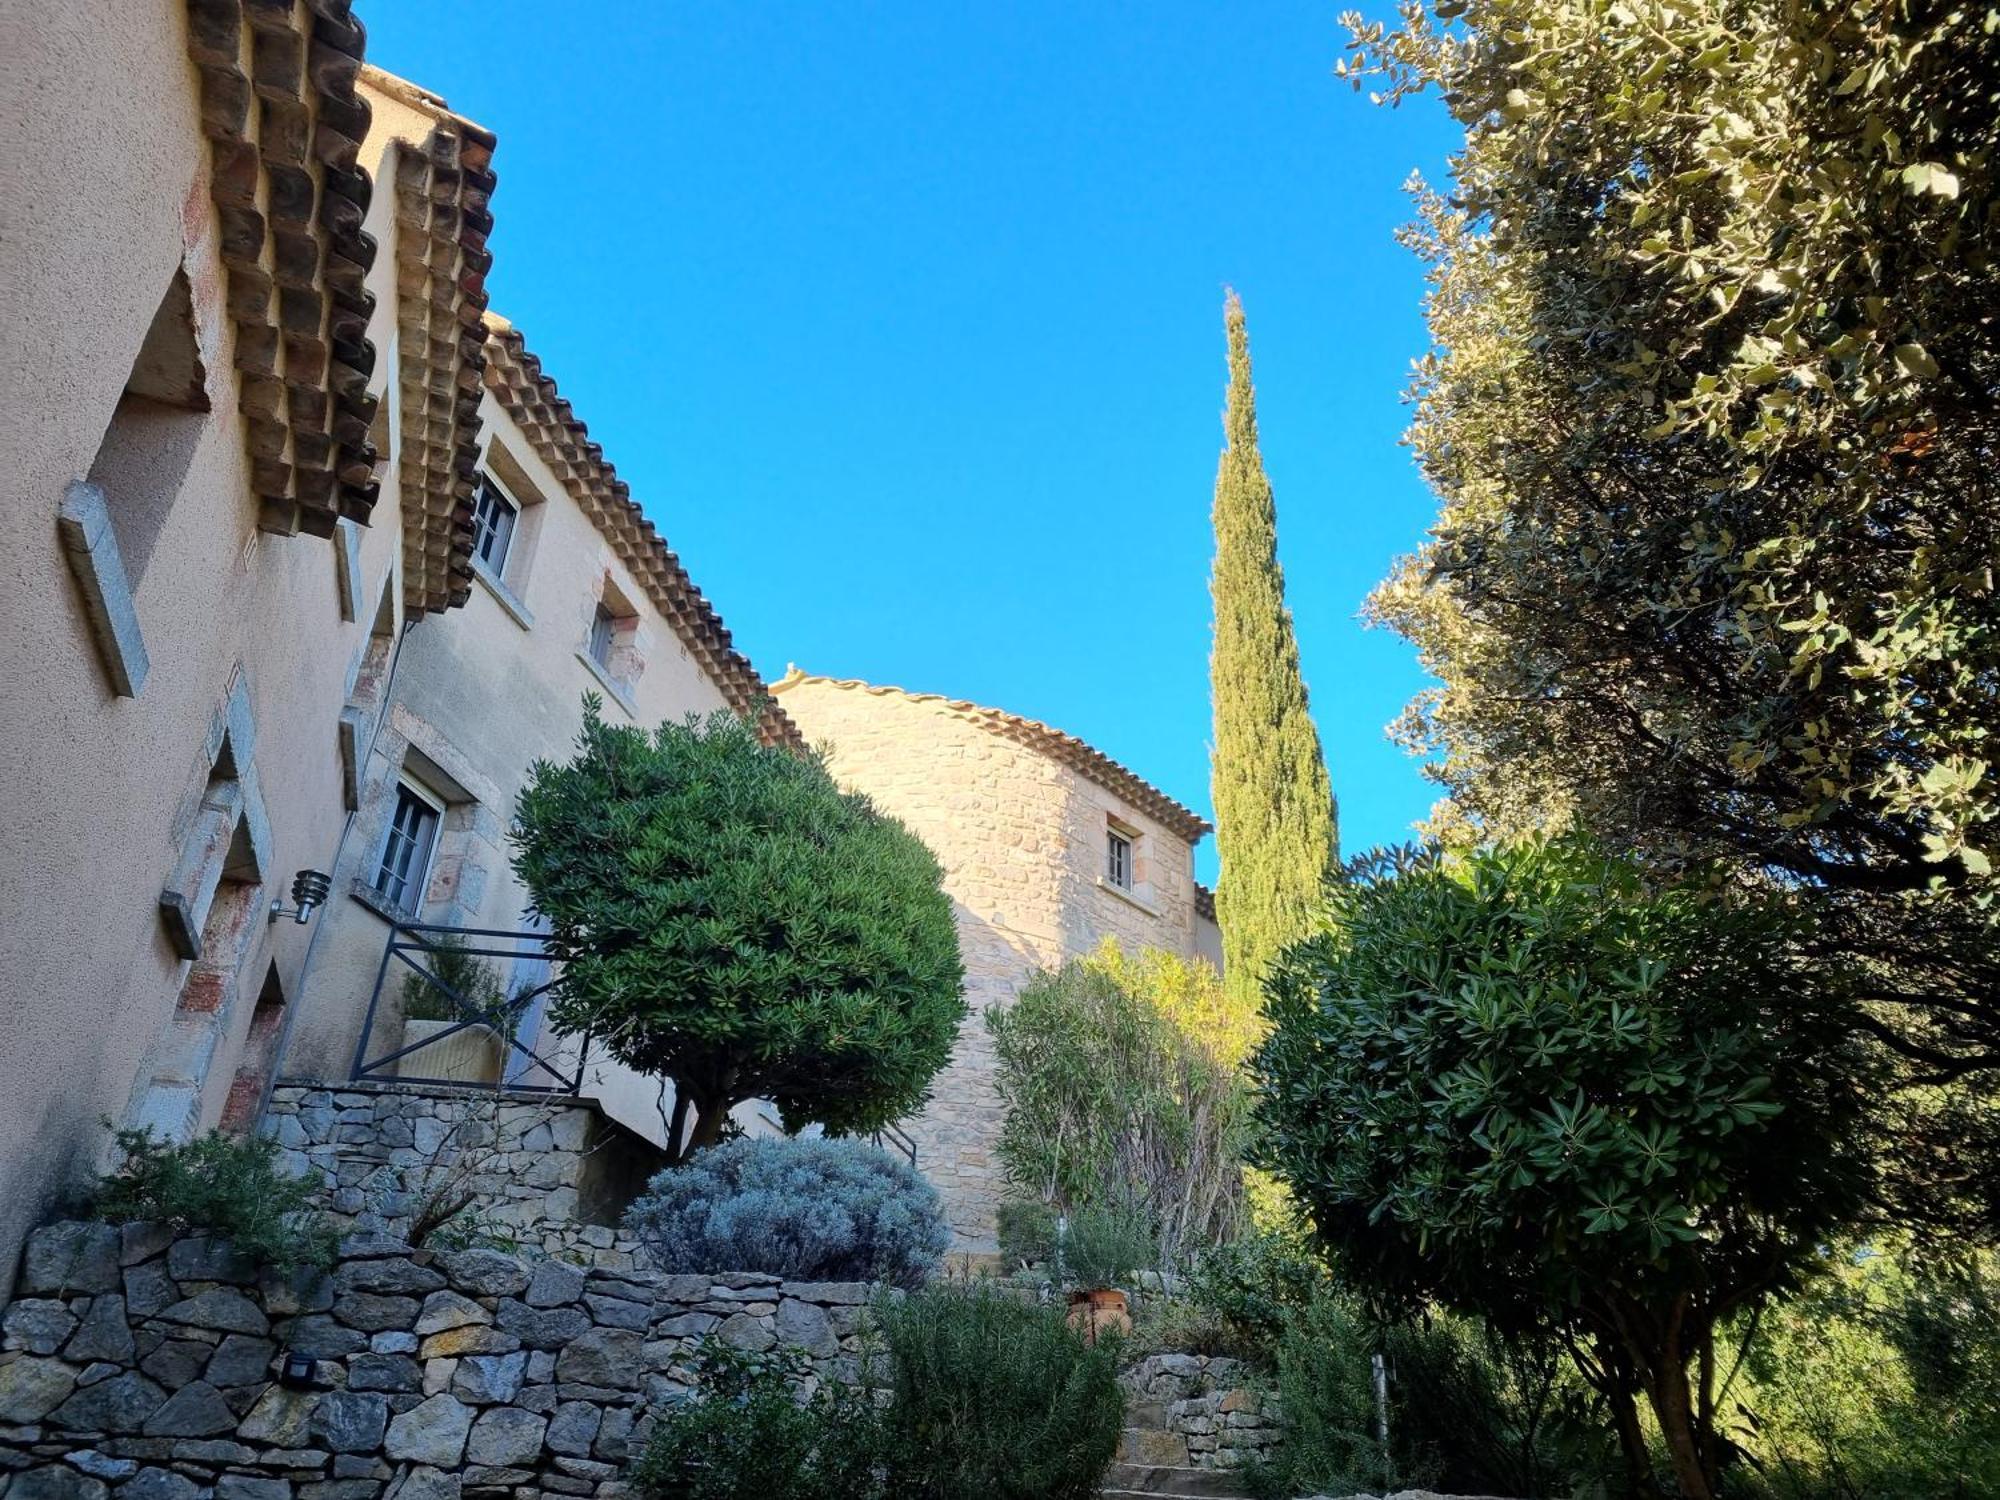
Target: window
(602,626)
(493,518)
(1118,859)
(406,852)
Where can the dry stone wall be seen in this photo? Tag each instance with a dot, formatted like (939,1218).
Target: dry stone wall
(538,1170)
(1204,1411)
(145,1367)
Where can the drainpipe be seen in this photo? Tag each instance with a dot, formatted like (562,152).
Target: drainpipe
(319,928)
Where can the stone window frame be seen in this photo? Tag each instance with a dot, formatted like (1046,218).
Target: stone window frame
(613,644)
(1139,853)
(508,583)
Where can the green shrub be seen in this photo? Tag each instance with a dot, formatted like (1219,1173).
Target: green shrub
(1253,1286)
(1026,1229)
(1532,1086)
(1326,1398)
(1117,1083)
(803,1208)
(1882,1382)
(224,1185)
(724,916)
(997,1398)
(745,1433)
(1107,1244)
(484,997)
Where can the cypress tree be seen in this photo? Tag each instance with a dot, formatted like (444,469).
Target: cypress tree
(1274,813)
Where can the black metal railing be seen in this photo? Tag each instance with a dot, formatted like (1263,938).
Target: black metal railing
(895,1138)
(421,949)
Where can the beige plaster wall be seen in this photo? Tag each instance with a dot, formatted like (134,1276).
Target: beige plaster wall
(104,190)
(1021,839)
(480,693)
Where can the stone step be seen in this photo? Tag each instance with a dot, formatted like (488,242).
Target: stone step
(1124,1480)
(1153,1447)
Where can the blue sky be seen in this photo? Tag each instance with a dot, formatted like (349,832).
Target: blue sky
(904,322)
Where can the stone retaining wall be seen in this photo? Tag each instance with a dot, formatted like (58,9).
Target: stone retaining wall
(141,1364)
(1207,1408)
(536,1166)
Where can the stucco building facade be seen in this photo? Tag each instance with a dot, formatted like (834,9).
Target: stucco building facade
(264,438)
(193,383)
(1048,848)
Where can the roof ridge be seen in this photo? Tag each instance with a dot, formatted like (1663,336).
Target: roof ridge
(531,399)
(1079,754)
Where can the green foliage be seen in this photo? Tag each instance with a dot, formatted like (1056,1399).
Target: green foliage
(1274,811)
(746,1433)
(997,1397)
(1711,412)
(1884,1382)
(1532,1088)
(1026,1230)
(1107,1244)
(428,996)
(224,1185)
(1326,1402)
(1255,1286)
(722,914)
(1109,1100)
(806,1209)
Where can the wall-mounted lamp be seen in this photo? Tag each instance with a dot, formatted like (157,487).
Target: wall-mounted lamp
(309,889)
(298,1370)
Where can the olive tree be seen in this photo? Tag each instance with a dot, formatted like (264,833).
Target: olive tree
(725,917)
(1713,416)
(1529,1087)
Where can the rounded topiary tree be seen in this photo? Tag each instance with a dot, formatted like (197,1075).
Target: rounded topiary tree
(726,917)
(1530,1087)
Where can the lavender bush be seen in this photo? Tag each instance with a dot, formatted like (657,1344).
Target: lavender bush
(805,1209)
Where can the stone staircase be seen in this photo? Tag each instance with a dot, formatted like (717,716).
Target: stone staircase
(1152,1461)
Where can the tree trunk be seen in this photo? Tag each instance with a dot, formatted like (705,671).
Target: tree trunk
(1674,1411)
(1632,1442)
(710,1116)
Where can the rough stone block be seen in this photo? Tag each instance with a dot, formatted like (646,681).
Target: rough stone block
(104,1333)
(506,1435)
(196,1410)
(31,1388)
(120,1404)
(432,1433)
(63,1259)
(554,1284)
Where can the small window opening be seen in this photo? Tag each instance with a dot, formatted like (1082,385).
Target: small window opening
(493,519)
(1118,859)
(404,867)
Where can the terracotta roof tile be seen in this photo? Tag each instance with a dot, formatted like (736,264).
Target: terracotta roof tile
(444,186)
(560,438)
(285,127)
(1050,741)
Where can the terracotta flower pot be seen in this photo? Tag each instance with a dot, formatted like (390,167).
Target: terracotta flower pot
(1100,1310)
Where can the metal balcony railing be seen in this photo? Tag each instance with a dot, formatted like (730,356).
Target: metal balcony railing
(470,1023)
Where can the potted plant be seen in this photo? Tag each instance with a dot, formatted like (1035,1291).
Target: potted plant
(471,1055)
(1101,1248)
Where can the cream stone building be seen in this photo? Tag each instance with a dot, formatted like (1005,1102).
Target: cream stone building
(1048,848)
(199,540)
(306,561)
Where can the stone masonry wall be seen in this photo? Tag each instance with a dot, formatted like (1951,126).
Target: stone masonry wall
(539,1168)
(1188,1409)
(143,1366)
(1021,840)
